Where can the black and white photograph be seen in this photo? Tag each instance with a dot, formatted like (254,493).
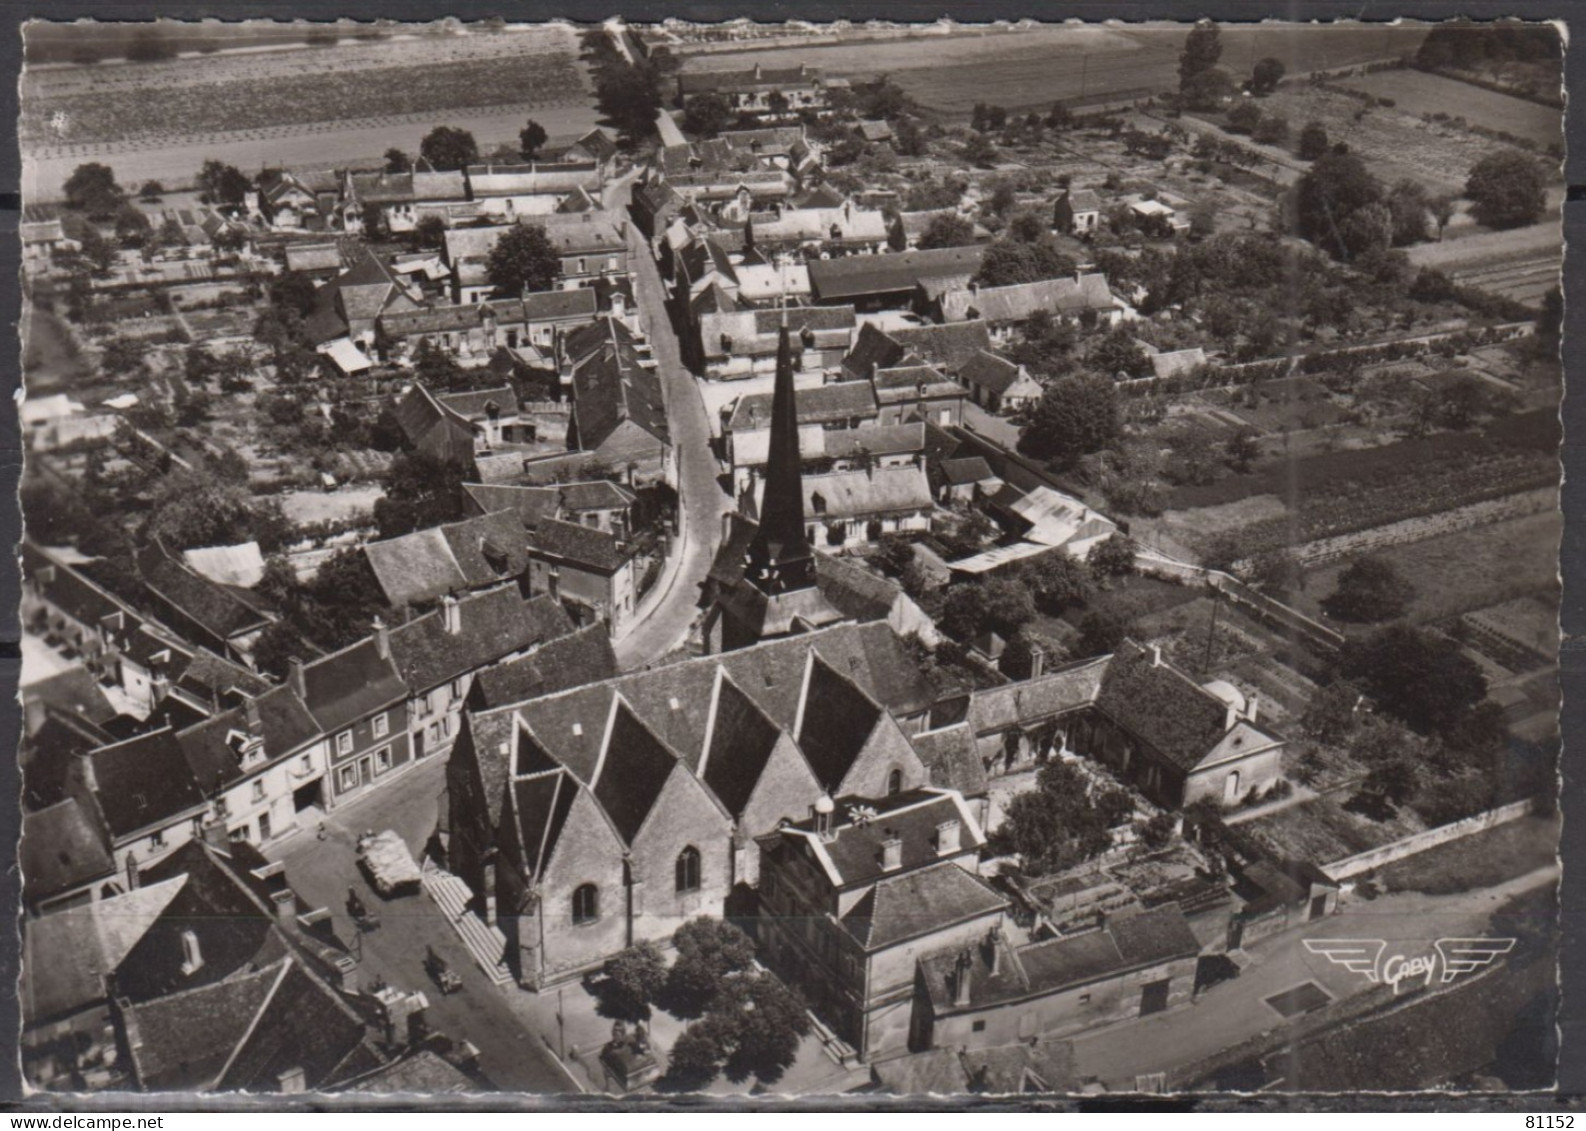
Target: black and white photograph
(811,559)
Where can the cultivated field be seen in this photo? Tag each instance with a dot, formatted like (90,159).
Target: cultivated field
(1418,92)
(1021,68)
(298,107)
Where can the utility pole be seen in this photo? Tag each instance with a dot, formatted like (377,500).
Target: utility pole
(1211,632)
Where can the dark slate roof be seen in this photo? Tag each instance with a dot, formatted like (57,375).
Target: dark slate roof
(874,349)
(1125,942)
(476,403)
(949,346)
(66,589)
(144,781)
(741,741)
(855,276)
(838,720)
(952,759)
(209,673)
(62,846)
(919,902)
(593,495)
(989,371)
(492,624)
(581,545)
(971,469)
(853,590)
(430,425)
(182,1041)
(531,504)
(424,1073)
(1153,936)
(635,767)
(284,720)
(432,320)
(611,386)
(541,802)
(580,658)
(75,692)
(216,608)
(488,547)
(351,684)
(875,439)
(546,306)
(306,1025)
(1161,706)
(469,554)
(909,382)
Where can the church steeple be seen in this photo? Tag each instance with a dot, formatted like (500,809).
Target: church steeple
(780,557)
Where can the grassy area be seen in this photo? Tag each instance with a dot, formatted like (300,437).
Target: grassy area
(1480,861)
(1457,573)
(1419,92)
(1322,830)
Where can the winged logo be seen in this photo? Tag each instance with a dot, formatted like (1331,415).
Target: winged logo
(1358,956)
(1465,956)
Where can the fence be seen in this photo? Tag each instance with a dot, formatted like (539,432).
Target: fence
(1431,838)
(1263,608)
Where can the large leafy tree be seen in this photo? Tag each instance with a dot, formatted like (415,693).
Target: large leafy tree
(708,952)
(222,184)
(447,148)
(632,979)
(531,138)
(1202,84)
(1059,824)
(1313,142)
(1000,605)
(1421,678)
(1076,416)
(1505,190)
(947,230)
(1326,199)
(421,491)
(1012,260)
(92,189)
(1057,580)
(1370,589)
(706,115)
(523,260)
(1266,75)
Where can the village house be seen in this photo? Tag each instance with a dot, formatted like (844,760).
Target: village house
(65,858)
(480,552)
(1157,218)
(787,148)
(730,197)
(358,698)
(948,348)
(963,480)
(891,281)
(998,385)
(42,240)
(1046,517)
(742,343)
(472,333)
(817,232)
(394,203)
(619,405)
(711,752)
(829,449)
(507,192)
(760,90)
(589,245)
(918,394)
(596,148)
(856,892)
(312,201)
(1083,297)
(746,428)
(439,653)
(1077,212)
(1176,740)
(593,573)
(908,227)
(319,261)
(347,309)
(989,992)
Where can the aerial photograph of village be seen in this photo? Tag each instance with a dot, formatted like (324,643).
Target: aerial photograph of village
(863,559)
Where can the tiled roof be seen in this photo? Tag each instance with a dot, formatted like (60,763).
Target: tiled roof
(971,469)
(853,590)
(905,383)
(62,846)
(578,544)
(1161,706)
(1084,200)
(874,439)
(415,568)
(431,320)
(545,306)
(632,773)
(697,82)
(1125,942)
(859,494)
(1030,701)
(579,658)
(491,625)
(952,759)
(856,276)
(144,781)
(74,691)
(476,403)
(285,726)
(992,372)
(611,386)
(424,1073)
(218,609)
(742,739)
(1017,301)
(65,588)
(949,346)
(917,903)
(350,685)
(821,404)
(854,849)
(838,720)
(530,504)
(306,1025)
(595,494)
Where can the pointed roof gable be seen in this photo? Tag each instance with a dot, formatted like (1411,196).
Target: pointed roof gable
(634,766)
(541,803)
(742,739)
(836,718)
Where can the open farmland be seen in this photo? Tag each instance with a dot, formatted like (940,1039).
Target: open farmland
(1021,68)
(1417,92)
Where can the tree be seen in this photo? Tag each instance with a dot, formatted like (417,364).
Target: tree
(1075,416)
(1059,117)
(1443,208)
(1101,630)
(764,1021)
(133,227)
(1394,782)
(1243,118)
(1117,351)
(1201,83)
(948,229)
(979,150)
(421,491)
(1272,129)
(1057,580)
(523,259)
(1415,676)
(229,239)
(999,605)
(629,96)
(277,646)
(1243,448)
(1055,825)
(1007,261)
(293,290)
(189,510)
(894,553)
(1332,714)
(633,978)
(908,139)
(171,233)
(1112,557)
(1326,199)
(1277,571)
(695,1059)
(1045,344)
(1313,142)
(447,148)
(708,951)
(98,252)
(430,231)
(151,191)
(397,160)
(1370,589)
(92,189)
(530,138)
(1266,75)
(1003,197)
(222,184)
(1409,205)
(1506,190)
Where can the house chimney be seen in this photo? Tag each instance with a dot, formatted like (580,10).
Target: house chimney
(1230,717)
(451,615)
(132,871)
(994,948)
(285,907)
(726,526)
(947,839)
(250,712)
(214,833)
(891,852)
(822,812)
(961,977)
(1156,655)
(1251,707)
(382,639)
(294,676)
(192,954)
(1037,661)
(292,1082)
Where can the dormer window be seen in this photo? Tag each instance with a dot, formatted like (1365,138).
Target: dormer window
(818,503)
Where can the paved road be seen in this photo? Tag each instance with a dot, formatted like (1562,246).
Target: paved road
(1235,1011)
(666,626)
(321,871)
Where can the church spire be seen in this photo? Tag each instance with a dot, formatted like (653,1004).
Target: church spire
(780,558)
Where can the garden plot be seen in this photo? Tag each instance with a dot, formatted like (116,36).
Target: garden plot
(1421,93)
(1322,830)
